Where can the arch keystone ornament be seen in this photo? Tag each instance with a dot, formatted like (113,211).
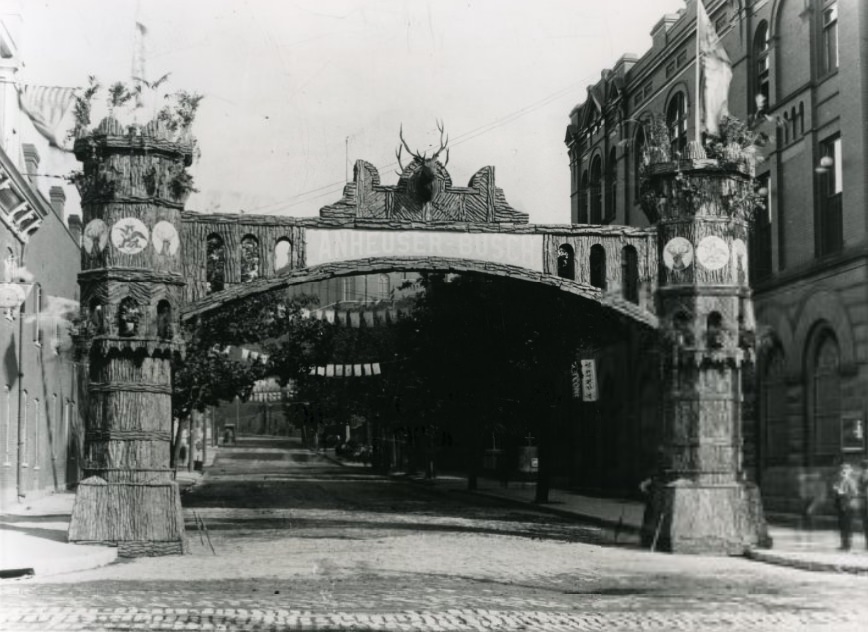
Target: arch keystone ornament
(700,501)
(128,497)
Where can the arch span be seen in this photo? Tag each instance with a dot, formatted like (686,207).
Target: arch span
(376,265)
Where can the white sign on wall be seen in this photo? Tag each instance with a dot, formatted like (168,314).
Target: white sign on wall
(589,381)
(329,246)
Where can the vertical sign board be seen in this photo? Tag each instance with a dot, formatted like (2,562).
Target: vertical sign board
(576,380)
(589,381)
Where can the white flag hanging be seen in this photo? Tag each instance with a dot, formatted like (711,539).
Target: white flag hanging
(715,72)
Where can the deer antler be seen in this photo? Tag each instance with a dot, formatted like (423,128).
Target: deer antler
(443,143)
(415,154)
(398,156)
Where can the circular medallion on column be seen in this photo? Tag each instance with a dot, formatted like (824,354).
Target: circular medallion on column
(712,252)
(129,235)
(165,238)
(95,236)
(678,254)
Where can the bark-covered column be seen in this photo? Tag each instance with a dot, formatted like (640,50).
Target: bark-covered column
(701,503)
(133,188)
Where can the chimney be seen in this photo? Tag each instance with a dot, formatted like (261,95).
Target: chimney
(31,159)
(661,29)
(57,197)
(74,223)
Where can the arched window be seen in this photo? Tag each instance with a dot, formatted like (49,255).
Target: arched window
(639,142)
(714,333)
(596,191)
(566,262)
(97,316)
(630,274)
(598,266)
(164,320)
(249,258)
(128,317)
(583,199)
(773,407)
(282,253)
(215,266)
(826,397)
(676,124)
(682,326)
(611,185)
(761,67)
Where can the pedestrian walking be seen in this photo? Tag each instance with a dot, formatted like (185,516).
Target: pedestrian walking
(846,493)
(863,498)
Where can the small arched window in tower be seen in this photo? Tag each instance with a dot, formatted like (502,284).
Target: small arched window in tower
(97,317)
(596,191)
(676,122)
(282,254)
(128,317)
(566,262)
(683,329)
(714,332)
(630,274)
(249,258)
(164,320)
(598,266)
(215,266)
(611,185)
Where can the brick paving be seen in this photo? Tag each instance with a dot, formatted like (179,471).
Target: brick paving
(302,544)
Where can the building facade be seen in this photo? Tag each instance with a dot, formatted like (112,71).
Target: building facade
(800,71)
(40,431)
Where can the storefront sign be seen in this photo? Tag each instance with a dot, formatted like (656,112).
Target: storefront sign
(589,381)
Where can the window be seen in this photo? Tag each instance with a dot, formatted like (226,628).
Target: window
(37,311)
(611,185)
(761,67)
(638,159)
(596,193)
(282,253)
(681,59)
(249,258)
(670,69)
(165,330)
(676,123)
(566,262)
(829,39)
(760,237)
(598,266)
(215,265)
(830,230)
(773,407)
(583,199)
(720,23)
(384,286)
(630,274)
(826,397)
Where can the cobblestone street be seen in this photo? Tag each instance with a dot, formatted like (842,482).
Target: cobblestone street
(301,543)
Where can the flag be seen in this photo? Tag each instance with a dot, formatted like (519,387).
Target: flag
(137,71)
(47,106)
(715,72)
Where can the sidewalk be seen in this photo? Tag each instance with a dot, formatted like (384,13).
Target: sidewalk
(33,536)
(621,520)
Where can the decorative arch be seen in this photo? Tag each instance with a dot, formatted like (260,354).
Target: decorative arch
(282,253)
(630,274)
(598,266)
(250,259)
(566,262)
(760,66)
(790,30)
(823,306)
(215,262)
(823,372)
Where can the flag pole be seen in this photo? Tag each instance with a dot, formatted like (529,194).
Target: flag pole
(697,122)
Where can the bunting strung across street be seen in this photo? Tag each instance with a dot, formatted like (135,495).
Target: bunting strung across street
(348,370)
(47,106)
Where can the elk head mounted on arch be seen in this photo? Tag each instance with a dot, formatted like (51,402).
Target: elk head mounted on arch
(422,182)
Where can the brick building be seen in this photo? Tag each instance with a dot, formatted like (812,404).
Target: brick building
(39,400)
(806,63)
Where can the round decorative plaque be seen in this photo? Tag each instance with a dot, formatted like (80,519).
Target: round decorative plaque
(678,254)
(95,236)
(712,252)
(129,235)
(165,238)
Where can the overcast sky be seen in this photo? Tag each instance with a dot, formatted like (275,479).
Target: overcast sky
(289,85)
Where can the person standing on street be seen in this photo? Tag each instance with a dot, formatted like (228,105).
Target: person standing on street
(863,499)
(846,497)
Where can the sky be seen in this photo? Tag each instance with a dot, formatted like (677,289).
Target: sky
(296,90)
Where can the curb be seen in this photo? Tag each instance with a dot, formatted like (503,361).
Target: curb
(803,564)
